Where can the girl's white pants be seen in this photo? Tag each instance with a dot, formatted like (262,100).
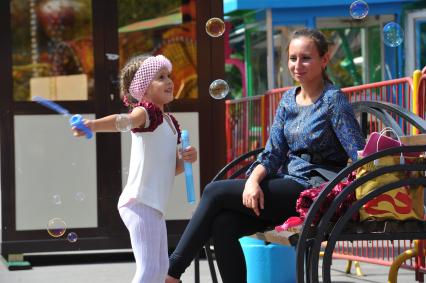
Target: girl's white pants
(148,236)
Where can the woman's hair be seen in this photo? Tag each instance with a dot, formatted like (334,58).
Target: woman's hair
(319,40)
(126,76)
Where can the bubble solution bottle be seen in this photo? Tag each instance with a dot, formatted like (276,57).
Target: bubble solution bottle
(190,192)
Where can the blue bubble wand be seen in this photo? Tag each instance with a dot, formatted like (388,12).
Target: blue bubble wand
(75,120)
(190,192)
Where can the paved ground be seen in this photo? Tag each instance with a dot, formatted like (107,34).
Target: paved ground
(87,268)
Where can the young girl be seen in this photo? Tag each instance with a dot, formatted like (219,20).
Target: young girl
(154,160)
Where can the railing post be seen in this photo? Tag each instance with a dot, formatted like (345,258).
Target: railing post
(263,113)
(228,134)
(417,74)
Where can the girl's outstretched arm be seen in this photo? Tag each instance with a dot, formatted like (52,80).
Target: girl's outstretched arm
(108,123)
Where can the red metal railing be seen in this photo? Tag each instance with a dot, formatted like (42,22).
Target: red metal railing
(243,125)
(398,91)
(248,120)
(421,97)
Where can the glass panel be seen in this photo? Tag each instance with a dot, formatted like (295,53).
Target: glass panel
(162,27)
(374,54)
(233,77)
(53,179)
(52,49)
(345,67)
(246,53)
(235,67)
(258,58)
(281,40)
(421,46)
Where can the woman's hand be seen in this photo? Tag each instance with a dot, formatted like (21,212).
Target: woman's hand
(189,154)
(253,196)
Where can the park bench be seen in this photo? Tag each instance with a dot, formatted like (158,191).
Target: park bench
(323,236)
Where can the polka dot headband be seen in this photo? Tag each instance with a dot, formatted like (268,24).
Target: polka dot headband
(146,73)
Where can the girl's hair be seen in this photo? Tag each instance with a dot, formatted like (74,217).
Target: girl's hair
(126,76)
(319,40)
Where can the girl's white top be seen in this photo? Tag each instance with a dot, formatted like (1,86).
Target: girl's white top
(152,166)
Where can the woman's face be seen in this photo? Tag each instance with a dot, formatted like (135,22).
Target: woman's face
(304,61)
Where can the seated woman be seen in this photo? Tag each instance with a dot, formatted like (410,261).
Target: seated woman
(313,135)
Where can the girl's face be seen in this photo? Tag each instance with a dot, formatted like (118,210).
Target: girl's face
(304,61)
(160,91)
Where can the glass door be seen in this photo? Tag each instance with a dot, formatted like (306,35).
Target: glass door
(57,51)
(415,41)
(52,57)
(354,54)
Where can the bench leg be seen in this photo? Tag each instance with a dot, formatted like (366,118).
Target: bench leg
(308,263)
(358,270)
(399,260)
(197,269)
(209,257)
(420,259)
(348,267)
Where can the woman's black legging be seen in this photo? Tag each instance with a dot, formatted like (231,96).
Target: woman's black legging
(222,216)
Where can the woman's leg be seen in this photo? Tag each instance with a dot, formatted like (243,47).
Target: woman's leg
(222,196)
(228,227)
(145,227)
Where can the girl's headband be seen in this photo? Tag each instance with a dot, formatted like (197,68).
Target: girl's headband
(146,73)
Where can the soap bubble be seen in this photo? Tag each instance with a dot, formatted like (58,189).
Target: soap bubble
(80,196)
(56,227)
(123,123)
(393,34)
(72,237)
(218,89)
(215,27)
(358,9)
(57,199)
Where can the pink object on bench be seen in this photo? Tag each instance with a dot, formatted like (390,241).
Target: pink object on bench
(374,144)
(292,224)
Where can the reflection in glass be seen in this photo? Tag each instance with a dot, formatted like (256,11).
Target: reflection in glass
(258,59)
(282,35)
(52,49)
(346,61)
(162,27)
(421,57)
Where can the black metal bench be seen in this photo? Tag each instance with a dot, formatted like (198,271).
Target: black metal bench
(309,242)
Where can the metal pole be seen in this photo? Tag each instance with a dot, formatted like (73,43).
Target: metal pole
(270,49)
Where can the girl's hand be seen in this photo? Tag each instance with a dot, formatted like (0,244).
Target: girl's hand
(79,133)
(253,196)
(189,154)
